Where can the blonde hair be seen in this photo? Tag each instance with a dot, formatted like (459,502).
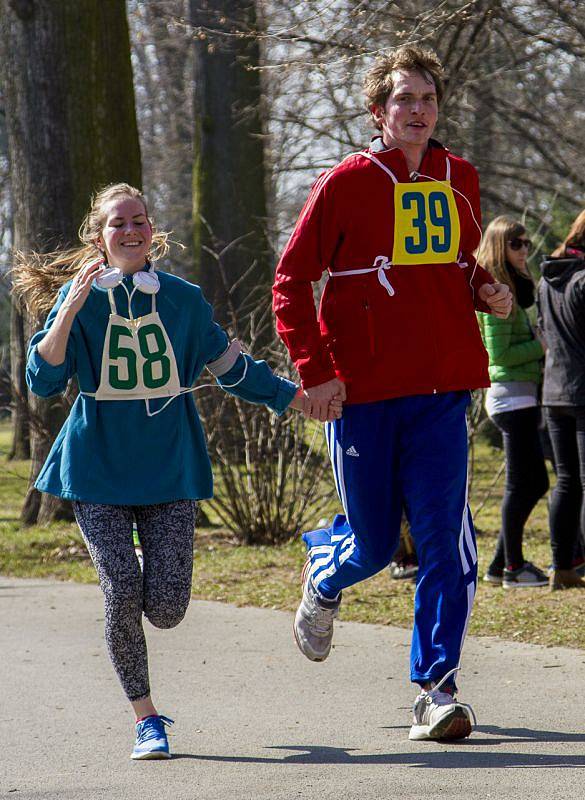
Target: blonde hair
(37,277)
(575,237)
(378,83)
(492,251)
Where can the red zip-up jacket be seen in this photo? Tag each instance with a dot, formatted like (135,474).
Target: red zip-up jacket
(410,327)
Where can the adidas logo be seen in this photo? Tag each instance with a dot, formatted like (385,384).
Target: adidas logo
(351,451)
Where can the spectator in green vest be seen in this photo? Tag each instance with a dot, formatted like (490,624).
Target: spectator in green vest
(516,354)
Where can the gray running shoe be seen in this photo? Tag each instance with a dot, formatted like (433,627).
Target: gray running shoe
(313,625)
(437,715)
(400,571)
(525,577)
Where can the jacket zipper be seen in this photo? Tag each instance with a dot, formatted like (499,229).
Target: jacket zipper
(371,335)
(436,376)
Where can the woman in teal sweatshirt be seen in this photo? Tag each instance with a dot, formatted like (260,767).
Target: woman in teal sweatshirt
(132,448)
(516,358)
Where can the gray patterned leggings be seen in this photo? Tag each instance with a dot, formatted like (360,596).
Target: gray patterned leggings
(166,533)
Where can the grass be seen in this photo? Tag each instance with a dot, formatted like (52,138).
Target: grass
(269,576)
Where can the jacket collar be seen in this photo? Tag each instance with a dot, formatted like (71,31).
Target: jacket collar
(433,161)
(559,271)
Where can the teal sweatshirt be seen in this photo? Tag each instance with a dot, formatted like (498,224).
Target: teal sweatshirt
(111,452)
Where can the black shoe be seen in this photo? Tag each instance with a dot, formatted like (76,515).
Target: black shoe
(523,578)
(579,568)
(494,576)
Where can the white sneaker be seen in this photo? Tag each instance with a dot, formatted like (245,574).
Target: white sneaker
(437,715)
(313,624)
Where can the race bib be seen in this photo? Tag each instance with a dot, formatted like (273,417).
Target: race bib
(426,223)
(138,361)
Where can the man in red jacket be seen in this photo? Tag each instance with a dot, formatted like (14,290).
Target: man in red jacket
(396,338)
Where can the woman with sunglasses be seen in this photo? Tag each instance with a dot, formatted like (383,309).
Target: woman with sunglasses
(516,354)
(561,298)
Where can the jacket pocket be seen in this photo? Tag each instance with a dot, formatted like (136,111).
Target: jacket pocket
(348,326)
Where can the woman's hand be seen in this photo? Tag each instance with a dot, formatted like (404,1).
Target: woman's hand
(53,347)
(301,402)
(81,286)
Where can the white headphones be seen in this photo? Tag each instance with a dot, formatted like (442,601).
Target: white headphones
(145,282)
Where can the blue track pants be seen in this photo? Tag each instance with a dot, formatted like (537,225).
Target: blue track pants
(411,453)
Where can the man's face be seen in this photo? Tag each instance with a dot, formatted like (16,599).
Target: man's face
(410,114)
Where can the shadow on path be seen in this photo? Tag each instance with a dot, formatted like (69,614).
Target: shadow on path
(452,755)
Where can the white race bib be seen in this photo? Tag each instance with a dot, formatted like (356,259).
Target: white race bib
(138,362)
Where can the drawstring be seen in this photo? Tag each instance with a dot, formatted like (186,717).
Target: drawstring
(380,265)
(150,413)
(447,182)
(385,264)
(130,296)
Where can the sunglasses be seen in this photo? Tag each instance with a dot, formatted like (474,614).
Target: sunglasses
(517,243)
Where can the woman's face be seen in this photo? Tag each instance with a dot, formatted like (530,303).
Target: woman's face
(517,250)
(127,234)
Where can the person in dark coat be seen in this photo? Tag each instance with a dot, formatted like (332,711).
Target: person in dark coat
(561,299)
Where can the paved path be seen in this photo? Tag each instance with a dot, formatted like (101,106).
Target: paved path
(255,720)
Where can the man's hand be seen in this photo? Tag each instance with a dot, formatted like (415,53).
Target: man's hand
(325,400)
(498,297)
(301,403)
(335,409)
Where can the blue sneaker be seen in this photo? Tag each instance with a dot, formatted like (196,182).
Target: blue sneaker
(151,738)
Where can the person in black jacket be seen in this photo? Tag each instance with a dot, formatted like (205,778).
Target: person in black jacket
(561,298)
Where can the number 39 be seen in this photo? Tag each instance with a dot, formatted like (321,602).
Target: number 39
(434,216)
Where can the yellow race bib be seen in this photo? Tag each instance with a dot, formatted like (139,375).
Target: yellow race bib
(426,223)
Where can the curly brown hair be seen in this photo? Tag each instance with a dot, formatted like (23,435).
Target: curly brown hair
(378,82)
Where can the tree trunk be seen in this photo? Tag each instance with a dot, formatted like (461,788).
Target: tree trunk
(71,123)
(163,60)
(20,448)
(229,192)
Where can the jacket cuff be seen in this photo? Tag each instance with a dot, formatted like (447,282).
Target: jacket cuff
(284,396)
(41,368)
(482,277)
(481,306)
(313,371)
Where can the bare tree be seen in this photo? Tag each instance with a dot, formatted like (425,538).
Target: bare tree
(71,129)
(229,177)
(12,364)
(269,471)
(162,48)
(512,106)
